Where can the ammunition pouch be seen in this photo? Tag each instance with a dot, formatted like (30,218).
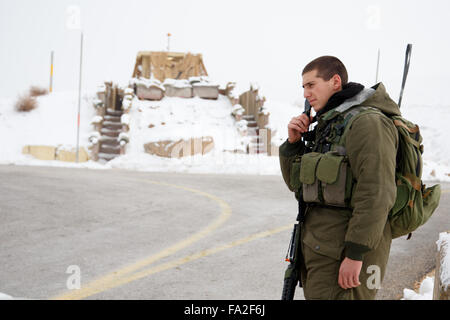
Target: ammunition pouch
(324,178)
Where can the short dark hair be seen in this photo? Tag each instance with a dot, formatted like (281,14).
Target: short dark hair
(327,67)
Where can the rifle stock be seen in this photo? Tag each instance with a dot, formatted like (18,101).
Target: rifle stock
(290,282)
(292,273)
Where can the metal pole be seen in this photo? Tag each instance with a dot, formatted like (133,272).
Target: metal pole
(79,96)
(168,42)
(51,72)
(378,65)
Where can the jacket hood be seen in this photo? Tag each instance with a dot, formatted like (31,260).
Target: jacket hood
(376,97)
(381,100)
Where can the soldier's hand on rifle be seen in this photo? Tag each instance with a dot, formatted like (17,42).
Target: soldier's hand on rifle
(297,126)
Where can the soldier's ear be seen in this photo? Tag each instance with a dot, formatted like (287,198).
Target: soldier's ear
(337,82)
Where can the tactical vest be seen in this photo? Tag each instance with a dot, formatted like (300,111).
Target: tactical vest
(324,175)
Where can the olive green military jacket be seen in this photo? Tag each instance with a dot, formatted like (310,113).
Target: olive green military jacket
(371,147)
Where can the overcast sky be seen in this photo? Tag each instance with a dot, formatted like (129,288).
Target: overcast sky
(268,42)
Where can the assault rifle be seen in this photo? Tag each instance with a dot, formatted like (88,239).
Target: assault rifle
(294,254)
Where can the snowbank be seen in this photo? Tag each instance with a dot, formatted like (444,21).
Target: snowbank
(427,285)
(444,244)
(425,291)
(54,123)
(175,118)
(146,83)
(4,296)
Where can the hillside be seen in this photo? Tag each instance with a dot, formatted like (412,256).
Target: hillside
(54,123)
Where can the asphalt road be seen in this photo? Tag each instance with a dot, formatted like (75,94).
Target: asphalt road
(139,235)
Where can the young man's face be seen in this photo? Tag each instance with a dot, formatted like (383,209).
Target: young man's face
(318,91)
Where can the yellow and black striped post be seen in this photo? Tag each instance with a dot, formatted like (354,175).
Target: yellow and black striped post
(51,72)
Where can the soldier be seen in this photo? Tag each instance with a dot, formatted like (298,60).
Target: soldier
(347,182)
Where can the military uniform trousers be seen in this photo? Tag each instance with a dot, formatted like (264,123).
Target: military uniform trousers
(323,235)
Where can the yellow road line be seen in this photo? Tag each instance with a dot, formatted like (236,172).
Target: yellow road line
(186,259)
(105,282)
(201,254)
(119,277)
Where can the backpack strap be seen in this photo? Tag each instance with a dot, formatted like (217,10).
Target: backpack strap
(351,115)
(350,103)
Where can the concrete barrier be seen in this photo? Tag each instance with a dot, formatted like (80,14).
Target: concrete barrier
(40,152)
(71,155)
(55,153)
(180,148)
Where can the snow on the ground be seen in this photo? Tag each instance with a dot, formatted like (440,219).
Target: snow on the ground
(4,296)
(176,118)
(433,122)
(425,291)
(427,285)
(443,245)
(54,123)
